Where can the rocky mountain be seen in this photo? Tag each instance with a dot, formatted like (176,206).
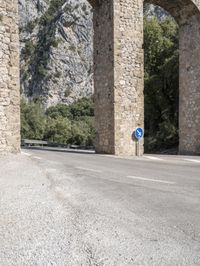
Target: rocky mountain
(56,50)
(152,10)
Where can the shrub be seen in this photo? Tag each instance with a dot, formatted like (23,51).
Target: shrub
(81,108)
(33,120)
(73,124)
(58,130)
(83,132)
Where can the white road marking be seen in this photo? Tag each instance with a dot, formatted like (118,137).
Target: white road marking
(51,169)
(153,158)
(38,158)
(192,160)
(152,180)
(24,153)
(111,156)
(89,169)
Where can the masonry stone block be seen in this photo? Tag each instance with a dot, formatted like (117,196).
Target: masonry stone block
(9,78)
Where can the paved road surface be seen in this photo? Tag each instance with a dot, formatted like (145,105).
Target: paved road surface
(64,208)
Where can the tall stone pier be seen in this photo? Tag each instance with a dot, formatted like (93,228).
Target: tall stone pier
(189,88)
(118,73)
(9,77)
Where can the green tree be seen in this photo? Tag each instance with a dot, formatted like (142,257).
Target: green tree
(77,119)
(83,132)
(33,120)
(72,124)
(60,110)
(161,83)
(58,130)
(83,107)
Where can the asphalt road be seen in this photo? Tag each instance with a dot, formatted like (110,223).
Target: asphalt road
(68,208)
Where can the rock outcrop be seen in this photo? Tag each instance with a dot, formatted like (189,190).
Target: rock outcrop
(56,50)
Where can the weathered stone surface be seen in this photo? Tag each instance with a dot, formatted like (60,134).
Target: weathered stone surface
(9,78)
(189,88)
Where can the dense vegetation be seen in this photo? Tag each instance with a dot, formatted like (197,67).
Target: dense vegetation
(74,124)
(161,84)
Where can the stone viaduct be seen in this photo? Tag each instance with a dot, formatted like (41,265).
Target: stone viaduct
(118,74)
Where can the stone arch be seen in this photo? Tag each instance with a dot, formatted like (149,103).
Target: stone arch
(118,57)
(118,73)
(180,10)
(187,15)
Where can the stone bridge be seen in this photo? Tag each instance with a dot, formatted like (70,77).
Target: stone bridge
(118,74)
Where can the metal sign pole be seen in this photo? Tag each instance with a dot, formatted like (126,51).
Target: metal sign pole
(138,148)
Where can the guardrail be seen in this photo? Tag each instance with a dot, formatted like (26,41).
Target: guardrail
(32,143)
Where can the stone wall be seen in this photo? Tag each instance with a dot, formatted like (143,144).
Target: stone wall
(104,77)
(118,75)
(189,89)
(9,78)
(128,74)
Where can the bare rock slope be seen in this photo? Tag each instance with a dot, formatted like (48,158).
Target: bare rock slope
(56,50)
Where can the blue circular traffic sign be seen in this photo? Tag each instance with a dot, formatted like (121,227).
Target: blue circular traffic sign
(139,133)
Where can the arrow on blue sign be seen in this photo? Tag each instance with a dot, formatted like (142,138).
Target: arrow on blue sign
(139,133)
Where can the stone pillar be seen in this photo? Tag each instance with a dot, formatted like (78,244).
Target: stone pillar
(128,74)
(104,76)
(118,75)
(189,96)
(9,77)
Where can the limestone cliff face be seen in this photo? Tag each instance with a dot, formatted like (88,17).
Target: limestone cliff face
(152,10)
(56,50)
